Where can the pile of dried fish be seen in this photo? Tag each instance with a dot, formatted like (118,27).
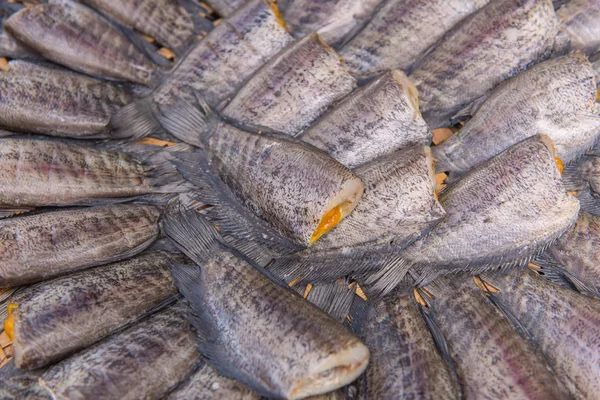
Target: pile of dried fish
(240,200)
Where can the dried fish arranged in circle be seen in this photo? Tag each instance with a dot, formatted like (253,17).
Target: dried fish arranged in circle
(214,68)
(85,238)
(54,101)
(374,120)
(555,97)
(399,205)
(564,324)
(71,34)
(400,33)
(52,319)
(58,173)
(292,351)
(499,215)
(170,22)
(579,18)
(288,93)
(404,361)
(255,179)
(144,361)
(334,20)
(492,45)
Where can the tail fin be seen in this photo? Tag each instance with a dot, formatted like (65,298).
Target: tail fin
(135,120)
(193,235)
(388,277)
(163,174)
(191,123)
(334,298)
(571,177)
(589,201)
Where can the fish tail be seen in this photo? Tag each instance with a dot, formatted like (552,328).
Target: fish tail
(135,120)
(191,123)
(357,314)
(588,201)
(334,298)
(165,177)
(571,177)
(192,234)
(389,277)
(554,271)
(200,18)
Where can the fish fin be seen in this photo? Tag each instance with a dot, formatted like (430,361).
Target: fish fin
(191,123)
(554,271)
(466,113)
(357,314)
(9,212)
(164,244)
(571,177)
(594,151)
(192,234)
(188,279)
(588,201)
(164,175)
(334,298)
(131,252)
(255,251)
(562,42)
(135,120)
(203,22)
(147,48)
(227,210)
(389,276)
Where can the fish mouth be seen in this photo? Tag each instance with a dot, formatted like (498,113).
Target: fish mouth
(409,88)
(338,208)
(334,372)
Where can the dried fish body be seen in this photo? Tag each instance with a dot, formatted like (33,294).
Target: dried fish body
(292,351)
(53,319)
(493,44)
(492,359)
(555,97)
(23,385)
(333,20)
(404,361)
(57,102)
(214,68)
(289,92)
(564,324)
(42,246)
(9,46)
(143,362)
(579,17)
(226,7)
(167,21)
(75,36)
(57,173)
(499,215)
(400,33)
(376,119)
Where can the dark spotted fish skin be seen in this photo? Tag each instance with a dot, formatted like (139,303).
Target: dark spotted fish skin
(75,36)
(290,91)
(404,361)
(207,384)
(555,97)
(226,7)
(142,362)
(400,32)
(333,20)
(42,246)
(376,119)
(492,360)
(55,318)
(563,323)
(577,252)
(490,46)
(16,383)
(167,21)
(579,18)
(58,102)
(217,66)
(46,172)
(9,46)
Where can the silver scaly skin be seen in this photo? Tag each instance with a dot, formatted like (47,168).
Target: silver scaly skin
(85,237)
(55,318)
(333,20)
(555,97)
(579,17)
(226,7)
(490,46)
(75,36)
(142,362)
(58,102)
(564,324)
(16,383)
(374,120)
(288,93)
(404,361)
(499,215)
(401,32)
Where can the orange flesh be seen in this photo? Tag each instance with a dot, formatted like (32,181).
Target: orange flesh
(9,321)
(155,142)
(559,164)
(597,94)
(328,221)
(275,10)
